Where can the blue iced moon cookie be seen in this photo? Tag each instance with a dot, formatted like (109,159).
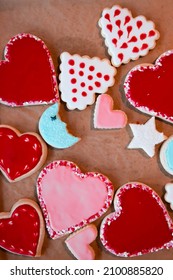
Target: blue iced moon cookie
(54,131)
(166,155)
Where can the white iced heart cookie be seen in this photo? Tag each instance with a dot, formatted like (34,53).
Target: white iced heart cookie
(81,77)
(126,37)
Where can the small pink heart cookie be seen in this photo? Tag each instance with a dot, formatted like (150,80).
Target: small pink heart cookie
(139,225)
(104,115)
(81,77)
(71,199)
(126,37)
(79,243)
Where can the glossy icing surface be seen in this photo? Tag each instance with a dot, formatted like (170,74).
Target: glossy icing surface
(71,199)
(149,87)
(126,37)
(78,243)
(139,225)
(105,116)
(27,74)
(54,130)
(19,233)
(81,77)
(18,154)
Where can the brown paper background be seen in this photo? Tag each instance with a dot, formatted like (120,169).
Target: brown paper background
(71,25)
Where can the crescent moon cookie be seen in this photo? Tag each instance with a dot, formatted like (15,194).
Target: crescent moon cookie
(71,199)
(139,225)
(166,155)
(126,37)
(53,129)
(104,115)
(27,74)
(148,87)
(21,154)
(79,243)
(81,77)
(22,230)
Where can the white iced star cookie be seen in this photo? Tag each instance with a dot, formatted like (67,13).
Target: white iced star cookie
(146,137)
(169,194)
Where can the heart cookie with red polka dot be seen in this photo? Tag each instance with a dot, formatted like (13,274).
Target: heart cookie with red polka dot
(81,77)
(126,37)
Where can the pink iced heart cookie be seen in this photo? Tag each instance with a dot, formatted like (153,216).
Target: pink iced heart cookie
(79,243)
(71,199)
(104,115)
(81,77)
(27,75)
(148,87)
(139,225)
(126,37)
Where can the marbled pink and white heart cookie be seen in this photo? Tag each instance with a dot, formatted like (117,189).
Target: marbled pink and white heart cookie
(71,199)
(126,37)
(81,77)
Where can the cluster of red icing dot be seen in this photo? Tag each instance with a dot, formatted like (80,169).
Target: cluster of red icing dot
(91,77)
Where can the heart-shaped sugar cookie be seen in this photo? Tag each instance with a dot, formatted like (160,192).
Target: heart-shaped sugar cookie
(71,199)
(148,87)
(126,37)
(27,75)
(22,230)
(20,154)
(139,225)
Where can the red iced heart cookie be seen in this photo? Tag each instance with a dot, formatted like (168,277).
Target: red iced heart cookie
(22,230)
(104,115)
(126,37)
(139,225)
(71,199)
(27,75)
(148,87)
(20,154)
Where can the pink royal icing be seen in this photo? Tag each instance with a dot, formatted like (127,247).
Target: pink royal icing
(71,199)
(105,116)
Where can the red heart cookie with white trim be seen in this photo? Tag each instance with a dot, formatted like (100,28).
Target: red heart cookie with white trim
(22,230)
(126,37)
(27,75)
(148,87)
(71,199)
(139,225)
(81,77)
(20,154)
(104,115)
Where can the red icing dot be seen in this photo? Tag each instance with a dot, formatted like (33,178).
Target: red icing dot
(91,68)
(90,88)
(143,36)
(135,50)
(107,16)
(71,71)
(81,73)
(139,23)
(98,84)
(109,27)
(114,41)
(90,77)
(74,90)
(120,33)
(127,19)
(73,81)
(129,29)
(133,39)
(84,93)
(124,46)
(82,65)
(116,13)
(74,99)
(120,56)
(118,23)
(99,75)
(144,46)
(106,77)
(82,84)
(71,62)
(151,33)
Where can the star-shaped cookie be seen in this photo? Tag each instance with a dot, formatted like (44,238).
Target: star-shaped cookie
(146,137)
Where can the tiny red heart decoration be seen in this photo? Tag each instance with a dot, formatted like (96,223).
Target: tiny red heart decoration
(71,199)
(27,75)
(22,230)
(139,225)
(20,154)
(148,87)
